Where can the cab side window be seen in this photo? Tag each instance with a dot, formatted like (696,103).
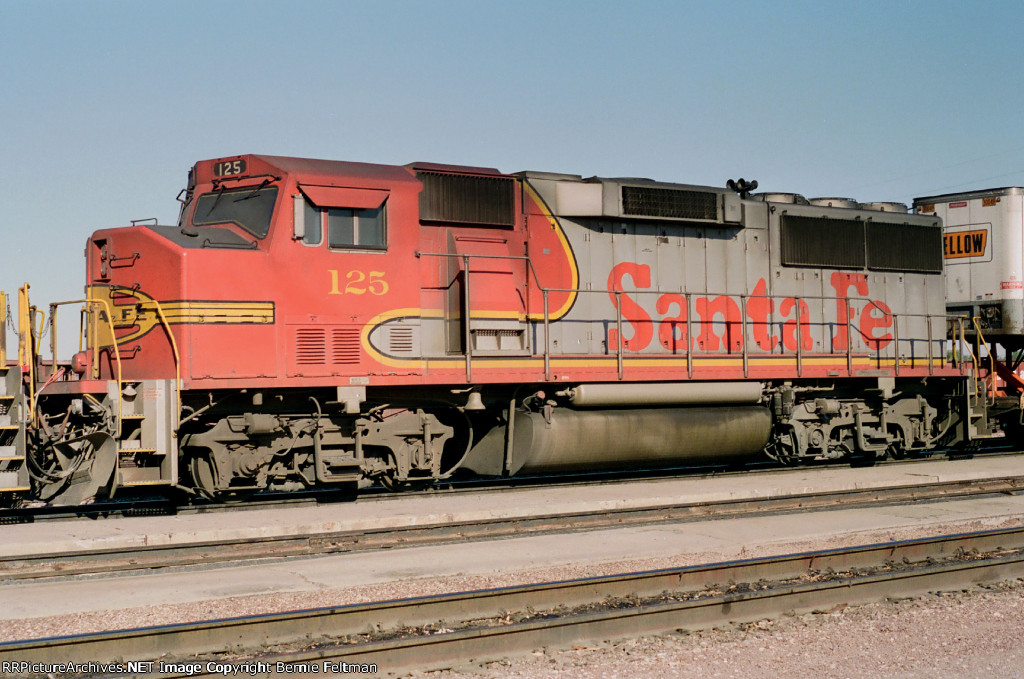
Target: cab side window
(347,228)
(314,233)
(351,228)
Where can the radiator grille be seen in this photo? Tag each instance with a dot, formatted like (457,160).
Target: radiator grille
(904,247)
(467,199)
(311,346)
(345,346)
(669,203)
(852,244)
(822,242)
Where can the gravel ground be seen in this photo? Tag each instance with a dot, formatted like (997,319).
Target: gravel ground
(976,633)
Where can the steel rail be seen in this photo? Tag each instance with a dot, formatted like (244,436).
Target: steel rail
(234,551)
(678,598)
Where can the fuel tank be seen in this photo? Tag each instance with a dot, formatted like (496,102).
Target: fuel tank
(575,440)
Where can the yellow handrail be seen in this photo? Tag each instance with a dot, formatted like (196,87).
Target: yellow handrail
(26,353)
(990,379)
(93,342)
(174,350)
(95,347)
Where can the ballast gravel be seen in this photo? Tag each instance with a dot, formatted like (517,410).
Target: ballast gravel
(272,602)
(970,634)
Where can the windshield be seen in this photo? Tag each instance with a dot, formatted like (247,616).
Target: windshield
(249,208)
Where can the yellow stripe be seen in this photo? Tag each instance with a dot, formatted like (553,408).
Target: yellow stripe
(215,317)
(571,299)
(230,306)
(144,315)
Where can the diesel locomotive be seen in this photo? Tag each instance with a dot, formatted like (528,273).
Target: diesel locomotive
(322,324)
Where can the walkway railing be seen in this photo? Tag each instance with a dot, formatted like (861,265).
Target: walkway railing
(773,320)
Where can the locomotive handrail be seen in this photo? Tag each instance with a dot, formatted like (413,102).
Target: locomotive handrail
(26,341)
(546,291)
(3,330)
(466,257)
(961,340)
(467,336)
(798,353)
(95,347)
(990,379)
(174,352)
(959,354)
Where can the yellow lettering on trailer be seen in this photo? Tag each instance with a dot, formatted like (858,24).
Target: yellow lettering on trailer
(965,244)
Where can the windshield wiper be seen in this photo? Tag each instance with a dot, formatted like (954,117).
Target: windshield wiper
(220,192)
(254,192)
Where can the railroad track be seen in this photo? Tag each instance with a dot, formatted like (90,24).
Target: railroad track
(439,631)
(150,557)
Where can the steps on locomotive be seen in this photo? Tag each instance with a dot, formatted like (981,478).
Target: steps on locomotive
(13,472)
(980,425)
(143,450)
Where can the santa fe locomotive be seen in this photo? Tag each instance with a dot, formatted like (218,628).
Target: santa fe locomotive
(312,323)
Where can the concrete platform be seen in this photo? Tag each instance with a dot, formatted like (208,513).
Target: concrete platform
(427,510)
(677,543)
(498,560)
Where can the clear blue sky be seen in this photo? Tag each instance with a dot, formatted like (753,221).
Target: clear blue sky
(105,105)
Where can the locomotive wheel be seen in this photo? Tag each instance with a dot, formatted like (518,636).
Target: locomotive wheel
(390,482)
(80,470)
(203,470)
(897,450)
(782,448)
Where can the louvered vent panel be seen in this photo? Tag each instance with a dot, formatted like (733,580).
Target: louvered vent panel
(400,341)
(345,346)
(648,201)
(822,242)
(311,346)
(467,199)
(904,247)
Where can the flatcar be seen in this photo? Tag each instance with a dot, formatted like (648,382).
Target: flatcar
(322,324)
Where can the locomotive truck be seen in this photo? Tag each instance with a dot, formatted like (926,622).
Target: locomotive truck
(322,324)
